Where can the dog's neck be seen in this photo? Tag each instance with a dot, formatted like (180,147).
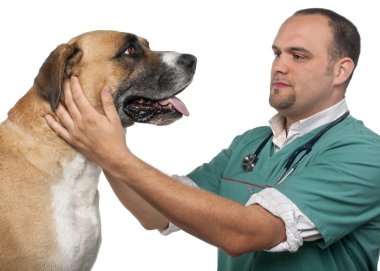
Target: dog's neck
(26,122)
(28,114)
(29,111)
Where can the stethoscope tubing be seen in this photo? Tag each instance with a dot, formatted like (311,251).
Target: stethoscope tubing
(250,160)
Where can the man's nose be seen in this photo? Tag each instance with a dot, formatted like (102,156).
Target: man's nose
(280,65)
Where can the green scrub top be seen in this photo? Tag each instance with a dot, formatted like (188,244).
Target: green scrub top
(337,186)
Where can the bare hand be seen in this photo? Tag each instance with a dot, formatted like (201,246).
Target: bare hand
(99,137)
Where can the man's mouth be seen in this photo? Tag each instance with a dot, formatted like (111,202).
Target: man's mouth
(280,84)
(143,110)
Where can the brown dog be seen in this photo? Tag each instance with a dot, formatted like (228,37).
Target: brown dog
(49,215)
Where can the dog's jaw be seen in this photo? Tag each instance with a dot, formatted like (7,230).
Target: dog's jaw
(151,97)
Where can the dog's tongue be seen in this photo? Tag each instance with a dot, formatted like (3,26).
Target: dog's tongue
(177,103)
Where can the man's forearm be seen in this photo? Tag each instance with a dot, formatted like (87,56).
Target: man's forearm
(216,220)
(148,216)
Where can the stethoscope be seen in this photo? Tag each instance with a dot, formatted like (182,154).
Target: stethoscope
(250,160)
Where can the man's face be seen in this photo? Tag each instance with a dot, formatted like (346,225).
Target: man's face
(302,71)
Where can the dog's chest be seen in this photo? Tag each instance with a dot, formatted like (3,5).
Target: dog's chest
(77,219)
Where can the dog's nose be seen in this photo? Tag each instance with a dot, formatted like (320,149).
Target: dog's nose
(188,61)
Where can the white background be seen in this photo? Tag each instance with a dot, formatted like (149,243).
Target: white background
(232,41)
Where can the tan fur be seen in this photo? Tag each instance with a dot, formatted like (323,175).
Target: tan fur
(25,198)
(33,158)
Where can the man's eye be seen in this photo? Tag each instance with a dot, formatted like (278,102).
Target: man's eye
(276,54)
(131,50)
(299,57)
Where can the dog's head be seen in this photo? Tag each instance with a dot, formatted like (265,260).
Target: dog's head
(144,82)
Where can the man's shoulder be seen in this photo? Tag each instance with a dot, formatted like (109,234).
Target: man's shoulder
(357,128)
(257,134)
(353,131)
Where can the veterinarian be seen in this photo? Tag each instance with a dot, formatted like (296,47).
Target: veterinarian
(300,194)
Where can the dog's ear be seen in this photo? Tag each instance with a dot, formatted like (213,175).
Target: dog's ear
(57,66)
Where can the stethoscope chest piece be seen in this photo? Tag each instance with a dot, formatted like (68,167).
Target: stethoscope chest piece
(249,162)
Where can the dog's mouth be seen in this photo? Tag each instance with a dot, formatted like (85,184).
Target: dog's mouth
(161,112)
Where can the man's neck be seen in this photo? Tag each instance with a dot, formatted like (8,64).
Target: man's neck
(280,124)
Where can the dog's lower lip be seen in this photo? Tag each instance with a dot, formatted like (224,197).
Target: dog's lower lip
(144,110)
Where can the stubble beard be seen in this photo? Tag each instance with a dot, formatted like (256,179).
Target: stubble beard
(277,101)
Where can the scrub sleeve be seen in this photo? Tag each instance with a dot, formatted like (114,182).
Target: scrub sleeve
(339,191)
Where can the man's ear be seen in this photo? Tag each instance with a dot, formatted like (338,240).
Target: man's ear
(57,66)
(344,68)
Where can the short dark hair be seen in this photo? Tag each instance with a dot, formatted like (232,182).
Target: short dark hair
(346,37)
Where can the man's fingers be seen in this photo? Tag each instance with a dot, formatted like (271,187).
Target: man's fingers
(69,101)
(57,128)
(63,133)
(108,105)
(80,100)
(65,117)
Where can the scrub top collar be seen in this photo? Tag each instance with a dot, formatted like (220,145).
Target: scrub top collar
(302,127)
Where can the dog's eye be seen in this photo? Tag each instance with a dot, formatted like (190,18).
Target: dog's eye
(131,50)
